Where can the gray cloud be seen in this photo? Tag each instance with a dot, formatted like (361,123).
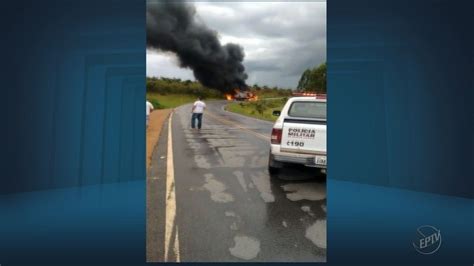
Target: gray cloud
(280,39)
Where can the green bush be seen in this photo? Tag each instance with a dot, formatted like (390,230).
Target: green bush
(260,106)
(156,104)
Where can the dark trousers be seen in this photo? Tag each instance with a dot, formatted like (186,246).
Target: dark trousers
(199,119)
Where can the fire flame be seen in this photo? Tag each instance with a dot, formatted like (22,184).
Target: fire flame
(253,97)
(241,96)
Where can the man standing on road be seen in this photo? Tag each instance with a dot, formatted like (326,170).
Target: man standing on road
(149,109)
(197,111)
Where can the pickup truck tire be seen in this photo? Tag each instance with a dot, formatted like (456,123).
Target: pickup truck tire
(273,166)
(273,170)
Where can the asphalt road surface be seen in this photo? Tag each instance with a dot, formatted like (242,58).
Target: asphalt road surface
(210,196)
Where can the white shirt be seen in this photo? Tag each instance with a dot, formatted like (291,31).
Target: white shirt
(149,107)
(199,107)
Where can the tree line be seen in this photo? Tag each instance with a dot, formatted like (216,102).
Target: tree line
(313,79)
(165,86)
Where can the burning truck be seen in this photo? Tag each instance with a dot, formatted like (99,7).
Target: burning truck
(239,95)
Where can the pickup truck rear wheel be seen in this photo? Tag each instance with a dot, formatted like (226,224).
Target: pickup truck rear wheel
(273,166)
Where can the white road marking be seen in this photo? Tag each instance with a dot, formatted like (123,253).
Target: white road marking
(171,200)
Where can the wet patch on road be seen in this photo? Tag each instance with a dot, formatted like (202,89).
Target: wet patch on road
(230,214)
(237,220)
(254,212)
(201,161)
(234,226)
(240,177)
(235,157)
(263,185)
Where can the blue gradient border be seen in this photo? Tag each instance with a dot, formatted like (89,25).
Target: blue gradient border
(400,128)
(400,92)
(73,141)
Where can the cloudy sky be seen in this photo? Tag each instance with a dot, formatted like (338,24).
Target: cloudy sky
(280,39)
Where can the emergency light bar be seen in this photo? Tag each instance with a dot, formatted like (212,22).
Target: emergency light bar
(309,94)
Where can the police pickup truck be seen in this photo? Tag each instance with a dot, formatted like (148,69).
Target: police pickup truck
(299,135)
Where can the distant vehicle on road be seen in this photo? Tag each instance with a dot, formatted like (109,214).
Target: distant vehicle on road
(299,135)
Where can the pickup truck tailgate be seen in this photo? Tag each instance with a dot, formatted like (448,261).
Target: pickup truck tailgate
(304,136)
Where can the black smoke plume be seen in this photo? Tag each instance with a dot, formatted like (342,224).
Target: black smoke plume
(172,27)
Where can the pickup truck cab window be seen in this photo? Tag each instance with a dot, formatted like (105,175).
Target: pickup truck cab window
(316,110)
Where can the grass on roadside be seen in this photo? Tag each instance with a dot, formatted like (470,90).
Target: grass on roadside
(261,109)
(272,94)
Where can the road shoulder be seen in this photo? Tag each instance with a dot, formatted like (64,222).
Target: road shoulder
(156,198)
(157,119)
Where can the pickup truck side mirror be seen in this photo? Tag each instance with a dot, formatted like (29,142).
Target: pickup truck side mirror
(276,113)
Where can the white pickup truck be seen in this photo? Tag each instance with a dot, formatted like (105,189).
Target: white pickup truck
(299,135)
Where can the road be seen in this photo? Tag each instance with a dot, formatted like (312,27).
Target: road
(216,201)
